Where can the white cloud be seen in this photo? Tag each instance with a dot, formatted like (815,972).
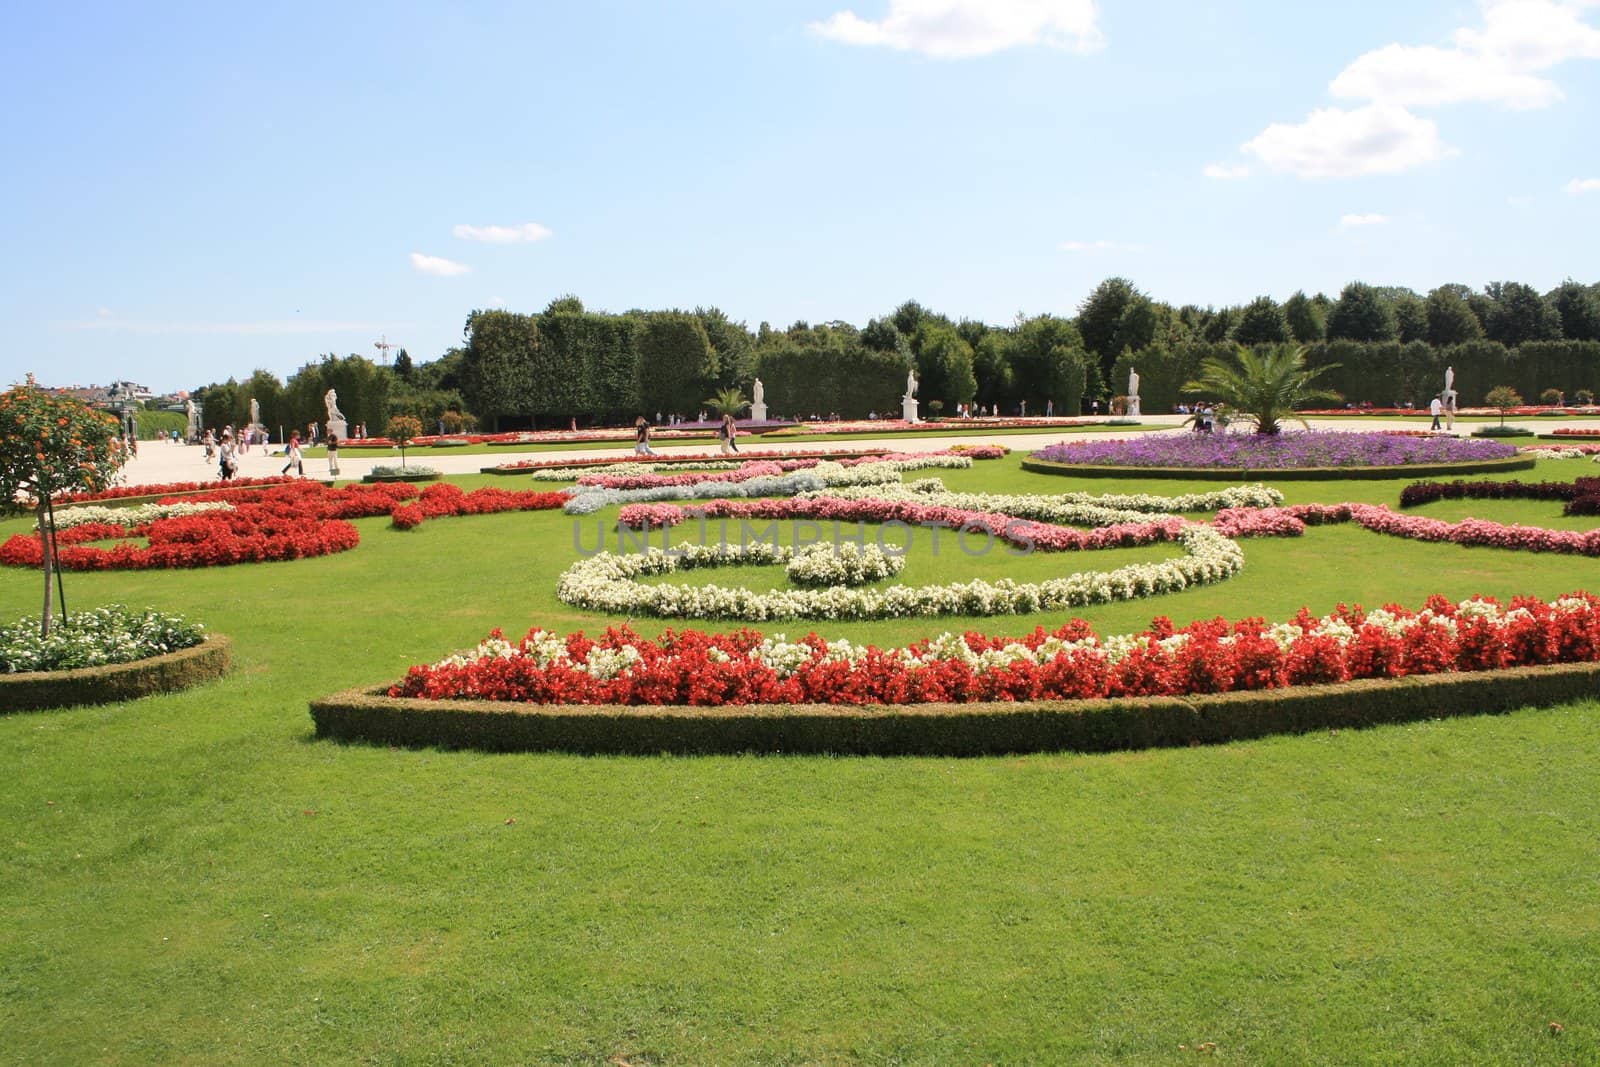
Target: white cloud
(103,312)
(1583,185)
(525,233)
(497,301)
(1371,219)
(438,265)
(1335,143)
(1225,171)
(1496,63)
(1430,77)
(954,29)
(1098,246)
(271,328)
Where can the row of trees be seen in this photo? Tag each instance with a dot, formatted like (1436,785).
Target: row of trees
(520,370)
(368,394)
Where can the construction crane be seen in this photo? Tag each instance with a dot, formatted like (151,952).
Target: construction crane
(382,345)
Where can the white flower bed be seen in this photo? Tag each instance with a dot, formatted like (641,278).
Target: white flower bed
(587,499)
(137,515)
(389,470)
(843,564)
(572,474)
(608,582)
(112,634)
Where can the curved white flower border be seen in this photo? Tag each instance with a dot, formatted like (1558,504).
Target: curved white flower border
(607,582)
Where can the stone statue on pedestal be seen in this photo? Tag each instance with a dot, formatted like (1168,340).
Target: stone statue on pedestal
(758,406)
(908,403)
(337,426)
(1133,393)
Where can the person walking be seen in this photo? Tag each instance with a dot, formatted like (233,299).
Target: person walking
(296,461)
(228,458)
(1436,409)
(333,455)
(729,432)
(641,437)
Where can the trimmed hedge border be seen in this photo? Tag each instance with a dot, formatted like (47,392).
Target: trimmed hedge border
(943,729)
(1304,474)
(36,690)
(371,478)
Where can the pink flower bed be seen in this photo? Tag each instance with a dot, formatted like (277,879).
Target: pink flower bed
(695,668)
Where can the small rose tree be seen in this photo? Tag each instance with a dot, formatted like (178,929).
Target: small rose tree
(403,429)
(50,445)
(1505,398)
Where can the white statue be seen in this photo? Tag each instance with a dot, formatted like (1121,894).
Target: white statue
(255,412)
(1133,382)
(193,429)
(908,403)
(1449,380)
(332,402)
(758,407)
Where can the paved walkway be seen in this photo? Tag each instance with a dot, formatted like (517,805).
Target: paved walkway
(160,463)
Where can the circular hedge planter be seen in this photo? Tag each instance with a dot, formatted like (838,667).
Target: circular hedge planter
(370,478)
(34,690)
(1302,474)
(369,715)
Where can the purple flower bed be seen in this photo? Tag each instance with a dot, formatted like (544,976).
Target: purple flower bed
(1286,451)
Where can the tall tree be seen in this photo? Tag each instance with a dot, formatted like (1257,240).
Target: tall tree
(1362,314)
(50,445)
(677,366)
(1451,320)
(944,366)
(1306,319)
(1411,316)
(1520,314)
(1262,322)
(733,345)
(1100,316)
(1579,308)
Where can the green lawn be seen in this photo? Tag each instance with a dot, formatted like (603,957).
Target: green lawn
(195,879)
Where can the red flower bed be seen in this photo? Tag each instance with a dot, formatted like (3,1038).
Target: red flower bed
(443,498)
(288,521)
(166,488)
(1563,431)
(691,457)
(695,668)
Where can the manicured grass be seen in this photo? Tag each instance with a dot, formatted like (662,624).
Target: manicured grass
(192,878)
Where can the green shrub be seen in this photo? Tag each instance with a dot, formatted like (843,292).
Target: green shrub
(116,682)
(1502,431)
(943,729)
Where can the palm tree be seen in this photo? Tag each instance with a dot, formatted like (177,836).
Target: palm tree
(1263,388)
(728,402)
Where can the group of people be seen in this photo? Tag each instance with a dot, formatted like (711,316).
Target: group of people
(727,434)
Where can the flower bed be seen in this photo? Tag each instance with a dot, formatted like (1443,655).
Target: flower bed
(413,473)
(134,514)
(117,682)
(975,729)
(1378,519)
(1564,431)
(123,492)
(287,521)
(111,634)
(1287,451)
(1071,662)
(448,499)
(1581,497)
(607,582)
(822,566)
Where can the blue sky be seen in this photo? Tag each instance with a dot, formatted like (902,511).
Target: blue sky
(198,190)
